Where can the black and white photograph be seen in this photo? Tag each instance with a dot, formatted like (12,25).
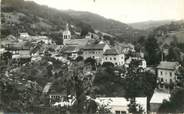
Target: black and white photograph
(92,57)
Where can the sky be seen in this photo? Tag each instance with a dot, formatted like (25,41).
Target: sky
(127,11)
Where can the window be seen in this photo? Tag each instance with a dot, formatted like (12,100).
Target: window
(162,79)
(105,58)
(110,58)
(117,112)
(116,63)
(122,57)
(160,72)
(170,73)
(123,112)
(114,58)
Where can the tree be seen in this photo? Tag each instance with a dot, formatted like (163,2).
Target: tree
(81,83)
(7,56)
(180,76)
(91,62)
(107,83)
(175,104)
(79,58)
(139,83)
(174,54)
(152,49)
(108,65)
(134,108)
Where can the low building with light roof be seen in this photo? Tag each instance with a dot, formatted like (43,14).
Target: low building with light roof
(157,99)
(119,105)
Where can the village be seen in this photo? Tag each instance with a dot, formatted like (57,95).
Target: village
(27,49)
(91,57)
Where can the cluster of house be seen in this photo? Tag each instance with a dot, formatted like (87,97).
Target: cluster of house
(102,52)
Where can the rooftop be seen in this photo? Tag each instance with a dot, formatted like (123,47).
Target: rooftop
(121,101)
(70,49)
(158,97)
(47,87)
(79,42)
(94,47)
(17,46)
(111,52)
(167,65)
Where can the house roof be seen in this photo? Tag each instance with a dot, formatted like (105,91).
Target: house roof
(121,101)
(70,49)
(111,52)
(94,47)
(58,94)
(158,97)
(17,46)
(47,87)
(167,65)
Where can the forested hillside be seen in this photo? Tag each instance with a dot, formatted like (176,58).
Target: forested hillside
(27,16)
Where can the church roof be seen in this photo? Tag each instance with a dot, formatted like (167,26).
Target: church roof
(111,52)
(70,49)
(94,47)
(77,42)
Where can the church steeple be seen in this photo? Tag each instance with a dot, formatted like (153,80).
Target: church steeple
(66,34)
(67,27)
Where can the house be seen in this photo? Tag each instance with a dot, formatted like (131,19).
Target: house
(19,51)
(57,97)
(166,73)
(92,36)
(34,39)
(113,56)
(10,39)
(136,56)
(95,51)
(126,47)
(157,99)
(119,105)
(70,51)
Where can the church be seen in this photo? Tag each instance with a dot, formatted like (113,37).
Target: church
(73,47)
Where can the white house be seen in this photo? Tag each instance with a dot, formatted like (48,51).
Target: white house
(166,72)
(113,56)
(95,51)
(142,63)
(119,105)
